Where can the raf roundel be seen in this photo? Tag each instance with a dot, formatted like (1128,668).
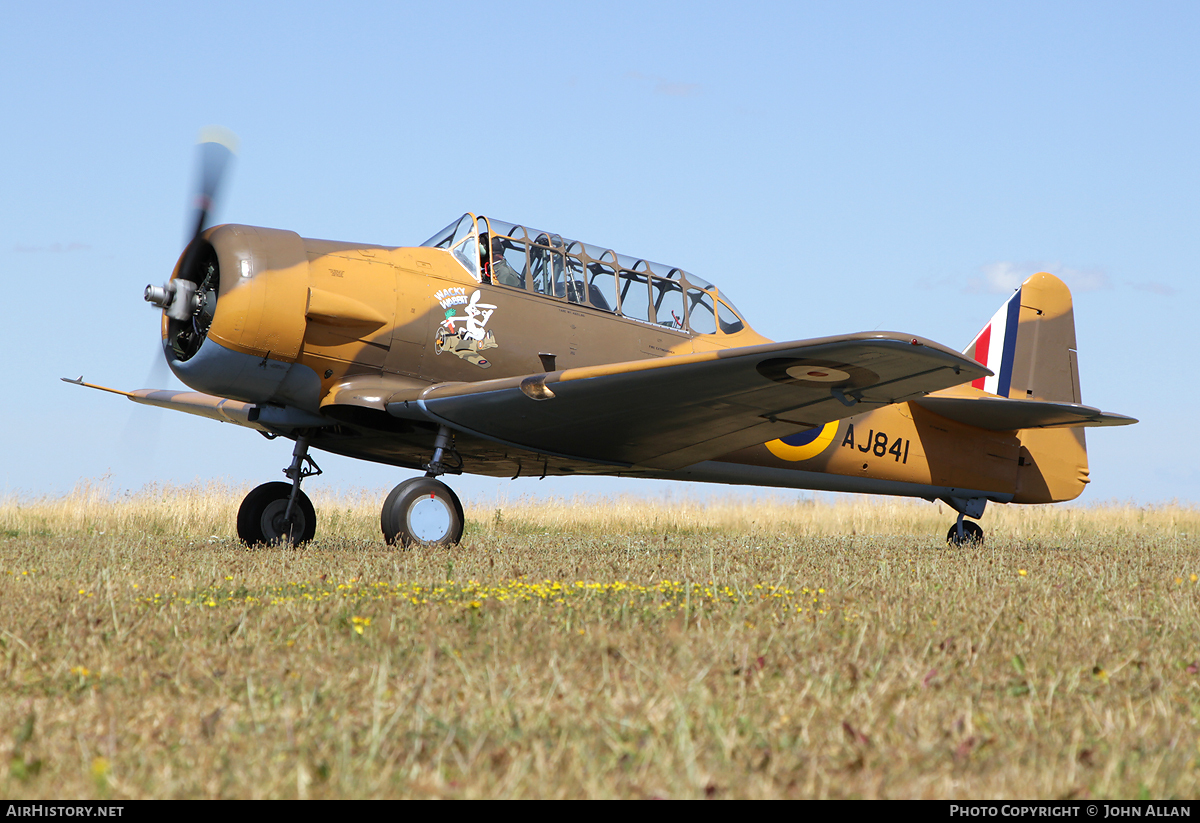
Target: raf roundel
(804,445)
(818,374)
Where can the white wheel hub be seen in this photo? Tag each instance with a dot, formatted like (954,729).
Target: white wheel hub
(430,518)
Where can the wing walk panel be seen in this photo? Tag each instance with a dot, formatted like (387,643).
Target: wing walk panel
(672,412)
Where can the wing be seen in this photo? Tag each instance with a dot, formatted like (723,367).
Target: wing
(672,412)
(263,418)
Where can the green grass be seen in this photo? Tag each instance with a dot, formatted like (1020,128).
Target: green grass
(598,649)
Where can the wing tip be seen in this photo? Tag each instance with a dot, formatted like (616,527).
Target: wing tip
(78,381)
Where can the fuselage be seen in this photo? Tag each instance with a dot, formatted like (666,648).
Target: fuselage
(334,330)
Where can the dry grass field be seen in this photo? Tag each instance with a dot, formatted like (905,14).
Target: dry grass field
(598,648)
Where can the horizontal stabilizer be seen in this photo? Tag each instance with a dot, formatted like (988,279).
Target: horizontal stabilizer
(1002,414)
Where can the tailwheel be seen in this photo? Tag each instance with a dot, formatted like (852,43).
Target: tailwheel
(422,511)
(262,518)
(971,532)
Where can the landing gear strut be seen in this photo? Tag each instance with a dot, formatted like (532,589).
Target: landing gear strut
(420,511)
(279,512)
(965,531)
(424,510)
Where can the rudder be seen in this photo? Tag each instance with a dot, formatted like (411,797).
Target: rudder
(1030,344)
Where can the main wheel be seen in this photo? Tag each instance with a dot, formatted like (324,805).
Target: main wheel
(972,533)
(422,511)
(260,518)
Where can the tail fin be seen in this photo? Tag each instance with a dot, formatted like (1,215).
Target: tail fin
(1030,344)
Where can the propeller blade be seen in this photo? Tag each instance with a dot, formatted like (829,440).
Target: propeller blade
(140,435)
(158,376)
(184,298)
(217,147)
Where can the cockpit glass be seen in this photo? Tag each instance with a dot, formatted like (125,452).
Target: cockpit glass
(729,322)
(564,269)
(724,299)
(668,302)
(701,317)
(635,301)
(507,229)
(442,239)
(508,262)
(465,228)
(575,287)
(602,286)
(468,255)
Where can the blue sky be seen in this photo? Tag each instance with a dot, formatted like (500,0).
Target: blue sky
(833,167)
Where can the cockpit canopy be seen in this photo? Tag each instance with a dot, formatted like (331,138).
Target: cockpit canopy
(548,264)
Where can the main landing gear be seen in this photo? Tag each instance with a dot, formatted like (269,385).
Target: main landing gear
(420,511)
(424,510)
(279,512)
(965,531)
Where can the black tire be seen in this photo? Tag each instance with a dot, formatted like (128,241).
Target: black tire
(972,533)
(422,512)
(260,518)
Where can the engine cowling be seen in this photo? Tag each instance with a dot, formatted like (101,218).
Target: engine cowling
(234,316)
